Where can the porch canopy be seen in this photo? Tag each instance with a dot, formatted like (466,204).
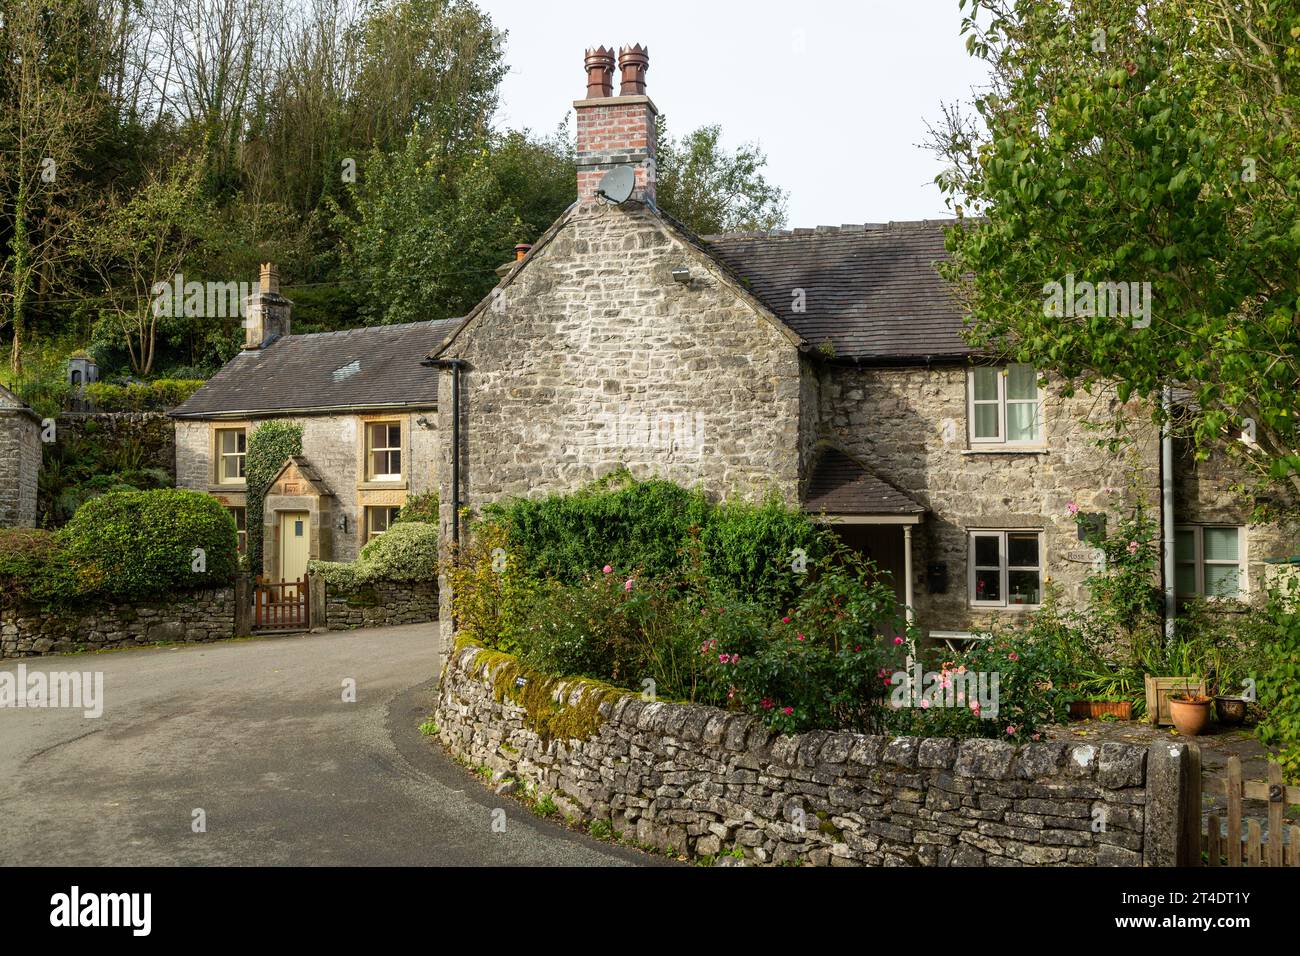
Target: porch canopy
(845,492)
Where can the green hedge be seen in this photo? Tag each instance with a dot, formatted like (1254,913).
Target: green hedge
(746,549)
(123,546)
(159,395)
(407,551)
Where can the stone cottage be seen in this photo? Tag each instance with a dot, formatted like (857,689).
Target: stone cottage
(823,365)
(20,461)
(367,407)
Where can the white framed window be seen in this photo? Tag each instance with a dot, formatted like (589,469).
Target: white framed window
(379,519)
(1006,406)
(241,526)
(232,445)
(384,451)
(1210,562)
(1006,568)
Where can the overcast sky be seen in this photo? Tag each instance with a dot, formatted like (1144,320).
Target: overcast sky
(836,93)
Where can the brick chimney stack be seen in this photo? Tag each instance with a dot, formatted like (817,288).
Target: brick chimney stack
(266,311)
(616,130)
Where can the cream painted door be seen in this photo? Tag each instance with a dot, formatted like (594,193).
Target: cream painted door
(294,551)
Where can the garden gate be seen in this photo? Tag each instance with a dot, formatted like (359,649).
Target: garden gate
(1214,847)
(285,606)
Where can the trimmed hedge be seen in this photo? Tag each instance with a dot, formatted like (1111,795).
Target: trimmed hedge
(160,395)
(651,526)
(407,551)
(123,546)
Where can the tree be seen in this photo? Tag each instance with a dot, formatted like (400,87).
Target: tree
(711,190)
(50,107)
(1149,150)
(136,243)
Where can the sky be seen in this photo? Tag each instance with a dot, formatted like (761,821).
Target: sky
(836,93)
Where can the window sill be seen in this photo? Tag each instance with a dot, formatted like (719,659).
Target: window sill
(1006,608)
(1007,450)
(398,485)
(232,488)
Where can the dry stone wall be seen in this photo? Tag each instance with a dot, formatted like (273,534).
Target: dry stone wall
(700,782)
(381,605)
(199,616)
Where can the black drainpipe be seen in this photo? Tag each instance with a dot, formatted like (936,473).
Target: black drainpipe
(455,365)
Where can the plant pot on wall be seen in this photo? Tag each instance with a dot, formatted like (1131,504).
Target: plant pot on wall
(1190,713)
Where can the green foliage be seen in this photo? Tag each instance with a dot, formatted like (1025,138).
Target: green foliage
(270,445)
(710,189)
(1131,142)
(159,395)
(1124,596)
(422,507)
(128,545)
(651,525)
(405,552)
(1278,680)
(24,555)
(92,456)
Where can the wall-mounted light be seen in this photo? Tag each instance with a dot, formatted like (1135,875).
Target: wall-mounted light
(682,274)
(424,422)
(342,523)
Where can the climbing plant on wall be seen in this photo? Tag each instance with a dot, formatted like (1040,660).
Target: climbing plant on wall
(269,447)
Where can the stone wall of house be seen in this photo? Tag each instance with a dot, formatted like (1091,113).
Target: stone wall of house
(1204,495)
(381,605)
(20,464)
(332,445)
(592,357)
(198,616)
(702,782)
(909,425)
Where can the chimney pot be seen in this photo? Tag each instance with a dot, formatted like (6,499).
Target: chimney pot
(269,280)
(633,61)
(521,250)
(600,73)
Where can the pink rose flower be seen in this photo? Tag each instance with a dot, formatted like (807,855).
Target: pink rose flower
(798,637)
(607,569)
(898,640)
(785,620)
(1073,508)
(722,658)
(1011,730)
(1132,547)
(627,585)
(925,705)
(1013,656)
(787,711)
(766,703)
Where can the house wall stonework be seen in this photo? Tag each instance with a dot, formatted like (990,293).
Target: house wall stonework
(594,357)
(332,444)
(20,463)
(909,425)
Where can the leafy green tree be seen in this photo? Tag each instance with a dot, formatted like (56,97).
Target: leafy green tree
(710,189)
(1141,142)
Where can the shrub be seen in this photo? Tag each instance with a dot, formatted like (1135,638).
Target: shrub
(421,507)
(136,544)
(270,445)
(159,395)
(747,549)
(405,552)
(25,553)
(1278,679)
(490,589)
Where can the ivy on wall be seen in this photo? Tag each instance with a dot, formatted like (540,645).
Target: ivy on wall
(269,446)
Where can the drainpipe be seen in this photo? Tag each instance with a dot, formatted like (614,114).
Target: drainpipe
(1167,512)
(455,365)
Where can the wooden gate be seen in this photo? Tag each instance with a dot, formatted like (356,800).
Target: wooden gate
(1228,849)
(281,607)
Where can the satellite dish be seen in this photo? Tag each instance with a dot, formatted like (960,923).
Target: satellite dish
(617,184)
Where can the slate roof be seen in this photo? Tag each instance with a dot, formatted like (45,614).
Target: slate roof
(12,404)
(840,485)
(374,367)
(871,291)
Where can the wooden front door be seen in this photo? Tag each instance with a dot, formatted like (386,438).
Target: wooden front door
(294,545)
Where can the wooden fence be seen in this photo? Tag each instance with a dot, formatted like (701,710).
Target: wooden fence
(281,607)
(1215,848)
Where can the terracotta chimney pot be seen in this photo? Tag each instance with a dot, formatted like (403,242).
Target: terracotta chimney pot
(633,61)
(600,73)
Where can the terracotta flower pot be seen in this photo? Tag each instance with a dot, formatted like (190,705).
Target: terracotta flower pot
(1190,716)
(1232,710)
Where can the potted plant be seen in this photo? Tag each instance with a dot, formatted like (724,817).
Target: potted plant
(1230,707)
(1189,709)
